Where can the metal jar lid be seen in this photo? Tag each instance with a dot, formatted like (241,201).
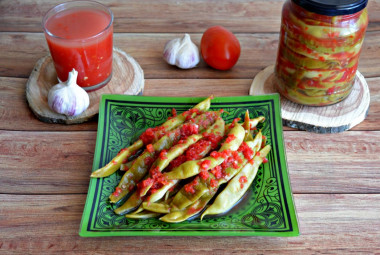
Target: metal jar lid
(332,7)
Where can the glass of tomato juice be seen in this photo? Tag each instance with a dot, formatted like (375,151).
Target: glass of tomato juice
(79,35)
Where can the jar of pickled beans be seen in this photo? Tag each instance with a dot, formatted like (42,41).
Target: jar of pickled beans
(319,48)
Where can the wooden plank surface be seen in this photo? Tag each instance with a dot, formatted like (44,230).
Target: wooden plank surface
(20,51)
(329,224)
(20,117)
(28,167)
(169,16)
(44,168)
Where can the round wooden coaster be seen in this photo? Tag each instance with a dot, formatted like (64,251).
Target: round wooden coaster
(127,78)
(320,119)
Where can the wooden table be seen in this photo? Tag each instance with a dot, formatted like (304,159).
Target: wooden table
(44,168)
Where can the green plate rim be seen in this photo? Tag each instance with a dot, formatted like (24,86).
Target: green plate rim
(293,219)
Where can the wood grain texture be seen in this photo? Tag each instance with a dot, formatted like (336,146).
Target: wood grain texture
(44,168)
(127,78)
(46,162)
(169,16)
(20,51)
(28,166)
(334,118)
(20,117)
(334,163)
(329,224)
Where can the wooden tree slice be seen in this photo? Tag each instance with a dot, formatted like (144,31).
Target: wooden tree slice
(127,78)
(320,119)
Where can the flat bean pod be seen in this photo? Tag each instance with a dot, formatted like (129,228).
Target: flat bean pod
(184,198)
(170,124)
(140,167)
(237,187)
(158,207)
(253,122)
(143,163)
(126,166)
(174,152)
(191,168)
(214,130)
(143,215)
(115,163)
(192,210)
(133,201)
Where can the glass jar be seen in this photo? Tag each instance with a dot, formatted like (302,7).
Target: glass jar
(80,36)
(319,48)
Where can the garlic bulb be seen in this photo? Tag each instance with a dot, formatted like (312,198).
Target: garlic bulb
(181,52)
(67,97)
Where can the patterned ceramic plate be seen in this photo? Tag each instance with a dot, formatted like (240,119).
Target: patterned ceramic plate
(267,209)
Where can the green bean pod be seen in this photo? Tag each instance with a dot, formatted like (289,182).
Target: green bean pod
(124,154)
(216,129)
(133,201)
(141,166)
(194,209)
(253,122)
(115,163)
(183,207)
(231,172)
(161,192)
(183,198)
(143,215)
(143,163)
(237,187)
(174,122)
(194,167)
(174,152)
(126,166)
(136,200)
(157,207)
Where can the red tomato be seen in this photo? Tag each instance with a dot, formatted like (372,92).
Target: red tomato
(220,48)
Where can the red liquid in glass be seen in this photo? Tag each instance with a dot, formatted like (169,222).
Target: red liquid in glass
(81,41)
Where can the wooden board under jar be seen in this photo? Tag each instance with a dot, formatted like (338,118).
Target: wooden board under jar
(319,119)
(127,78)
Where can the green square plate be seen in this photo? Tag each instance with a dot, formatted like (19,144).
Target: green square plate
(266,210)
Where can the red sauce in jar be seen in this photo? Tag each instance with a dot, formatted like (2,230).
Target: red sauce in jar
(319,50)
(81,38)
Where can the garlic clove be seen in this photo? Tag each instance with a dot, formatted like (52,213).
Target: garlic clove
(187,56)
(67,97)
(182,52)
(171,49)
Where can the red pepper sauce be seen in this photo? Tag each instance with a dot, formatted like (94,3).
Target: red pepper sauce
(152,134)
(243,179)
(190,187)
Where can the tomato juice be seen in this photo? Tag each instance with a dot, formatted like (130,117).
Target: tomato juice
(79,35)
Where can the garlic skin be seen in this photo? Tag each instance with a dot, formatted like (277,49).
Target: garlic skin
(67,97)
(181,52)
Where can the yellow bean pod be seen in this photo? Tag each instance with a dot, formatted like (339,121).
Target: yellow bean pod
(143,215)
(183,198)
(141,165)
(174,152)
(194,209)
(237,187)
(170,124)
(133,201)
(194,167)
(162,207)
(115,163)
